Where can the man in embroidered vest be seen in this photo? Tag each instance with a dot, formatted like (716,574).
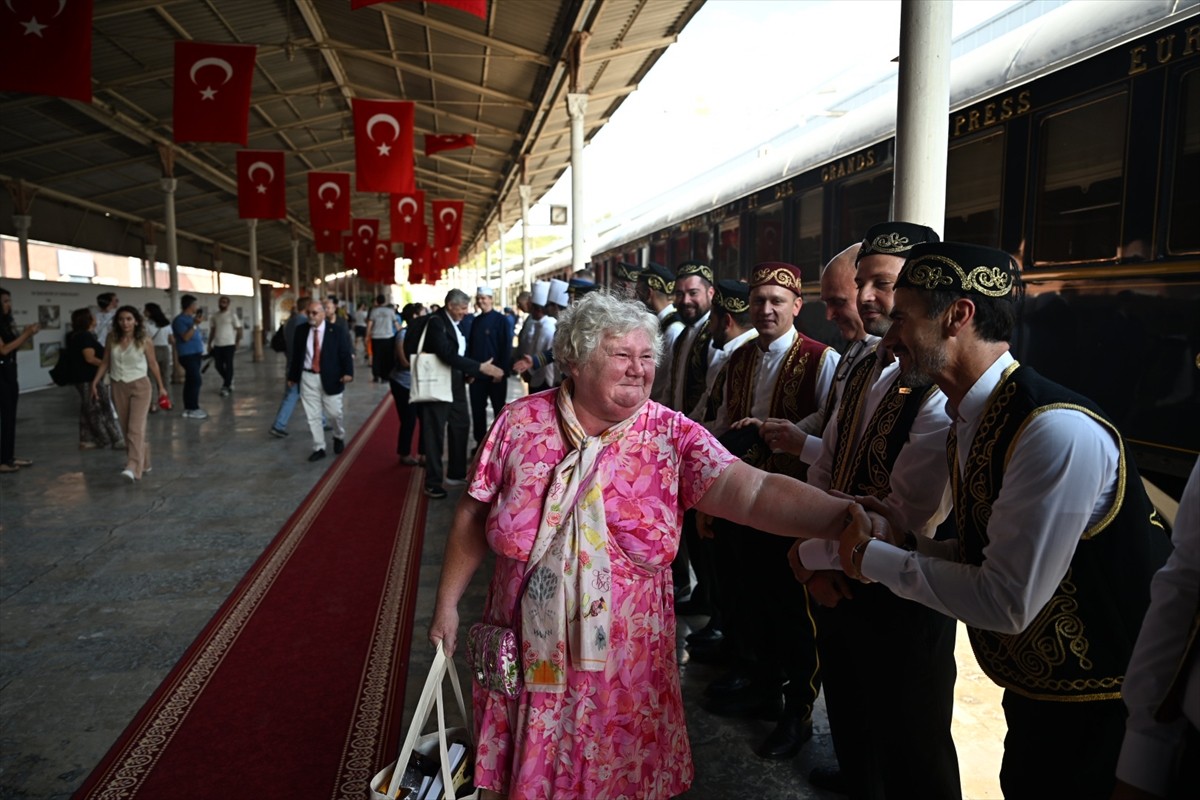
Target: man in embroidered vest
(656,289)
(786,375)
(886,440)
(1057,541)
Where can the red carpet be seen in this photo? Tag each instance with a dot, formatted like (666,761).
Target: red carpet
(296,687)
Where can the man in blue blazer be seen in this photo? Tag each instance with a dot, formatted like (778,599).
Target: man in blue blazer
(322,364)
(443,338)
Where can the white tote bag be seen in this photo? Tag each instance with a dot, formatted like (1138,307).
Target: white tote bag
(431,381)
(425,759)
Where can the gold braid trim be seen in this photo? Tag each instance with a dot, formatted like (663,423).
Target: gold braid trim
(988,281)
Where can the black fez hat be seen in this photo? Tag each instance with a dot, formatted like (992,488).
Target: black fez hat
(894,239)
(776,273)
(958,267)
(659,278)
(732,296)
(627,272)
(578,287)
(689,268)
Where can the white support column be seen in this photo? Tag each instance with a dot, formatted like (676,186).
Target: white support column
(922,105)
(526,277)
(218,267)
(22,222)
(256,302)
(295,267)
(151,262)
(577,108)
(168,187)
(503,278)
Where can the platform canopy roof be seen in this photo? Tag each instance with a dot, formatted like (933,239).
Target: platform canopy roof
(94,171)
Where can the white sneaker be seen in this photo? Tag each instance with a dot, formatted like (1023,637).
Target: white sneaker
(196,413)
(127,474)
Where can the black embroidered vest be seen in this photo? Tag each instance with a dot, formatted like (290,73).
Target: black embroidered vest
(695,372)
(1078,646)
(865,467)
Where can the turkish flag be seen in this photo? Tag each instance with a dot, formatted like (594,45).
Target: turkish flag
(447,223)
(366,231)
(212,91)
(383,264)
(327,240)
(444,257)
(329,200)
(46,48)
(436,143)
(262,188)
(476,7)
(383,145)
(418,271)
(351,254)
(408,217)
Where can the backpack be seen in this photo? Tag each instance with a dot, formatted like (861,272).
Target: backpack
(279,341)
(60,373)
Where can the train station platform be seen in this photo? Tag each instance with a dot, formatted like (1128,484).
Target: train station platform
(105,585)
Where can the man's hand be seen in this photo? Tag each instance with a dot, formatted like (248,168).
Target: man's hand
(745,423)
(291,384)
(885,523)
(491,370)
(522,365)
(857,530)
(783,436)
(801,572)
(347,379)
(829,587)
(704,526)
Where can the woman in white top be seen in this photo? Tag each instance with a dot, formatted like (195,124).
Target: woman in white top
(158,328)
(128,358)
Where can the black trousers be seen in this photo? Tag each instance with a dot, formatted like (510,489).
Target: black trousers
(192,380)
(887,665)
(1060,749)
(408,419)
(483,391)
(223,361)
(775,618)
(383,357)
(9,391)
(444,426)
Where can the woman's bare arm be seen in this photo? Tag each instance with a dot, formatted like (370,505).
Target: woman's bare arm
(465,551)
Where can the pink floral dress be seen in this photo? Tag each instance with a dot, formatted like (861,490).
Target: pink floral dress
(619,733)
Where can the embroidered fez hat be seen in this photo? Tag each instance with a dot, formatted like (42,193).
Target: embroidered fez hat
(578,287)
(558,293)
(659,278)
(540,293)
(894,239)
(627,272)
(690,268)
(776,273)
(958,267)
(732,296)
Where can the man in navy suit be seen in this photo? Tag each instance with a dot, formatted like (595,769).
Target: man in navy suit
(490,339)
(443,338)
(322,364)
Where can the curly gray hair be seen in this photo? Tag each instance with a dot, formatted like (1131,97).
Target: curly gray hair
(584,325)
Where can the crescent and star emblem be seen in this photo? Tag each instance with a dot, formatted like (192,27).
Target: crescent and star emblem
(453,216)
(365,232)
(337,193)
(209,93)
(257,165)
(406,201)
(384,148)
(33,27)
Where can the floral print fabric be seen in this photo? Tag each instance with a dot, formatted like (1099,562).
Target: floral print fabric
(619,733)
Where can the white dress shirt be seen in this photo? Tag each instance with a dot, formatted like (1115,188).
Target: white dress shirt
(815,422)
(543,340)
(662,376)
(1150,746)
(308,347)
(1060,478)
(679,370)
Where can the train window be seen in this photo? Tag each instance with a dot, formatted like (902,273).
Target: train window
(863,202)
(974,176)
(808,213)
(1184,234)
(701,245)
(658,254)
(727,258)
(681,247)
(768,233)
(1078,206)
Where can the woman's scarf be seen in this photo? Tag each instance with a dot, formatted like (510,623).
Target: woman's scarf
(567,605)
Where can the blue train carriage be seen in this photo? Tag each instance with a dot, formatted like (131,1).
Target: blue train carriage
(1089,174)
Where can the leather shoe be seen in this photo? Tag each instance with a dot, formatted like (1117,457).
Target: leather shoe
(706,635)
(317,455)
(789,736)
(730,683)
(830,779)
(749,704)
(338,445)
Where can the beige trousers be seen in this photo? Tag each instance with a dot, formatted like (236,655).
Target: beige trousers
(132,401)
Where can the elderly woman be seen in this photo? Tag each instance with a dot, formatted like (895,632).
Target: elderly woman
(580,492)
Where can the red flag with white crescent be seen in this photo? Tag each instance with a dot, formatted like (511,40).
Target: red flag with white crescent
(447,223)
(329,200)
(212,91)
(327,240)
(444,258)
(436,143)
(383,146)
(262,184)
(351,254)
(418,270)
(476,7)
(366,231)
(46,48)
(383,264)
(408,217)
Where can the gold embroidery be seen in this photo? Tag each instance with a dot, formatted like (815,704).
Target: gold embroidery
(776,275)
(889,243)
(989,281)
